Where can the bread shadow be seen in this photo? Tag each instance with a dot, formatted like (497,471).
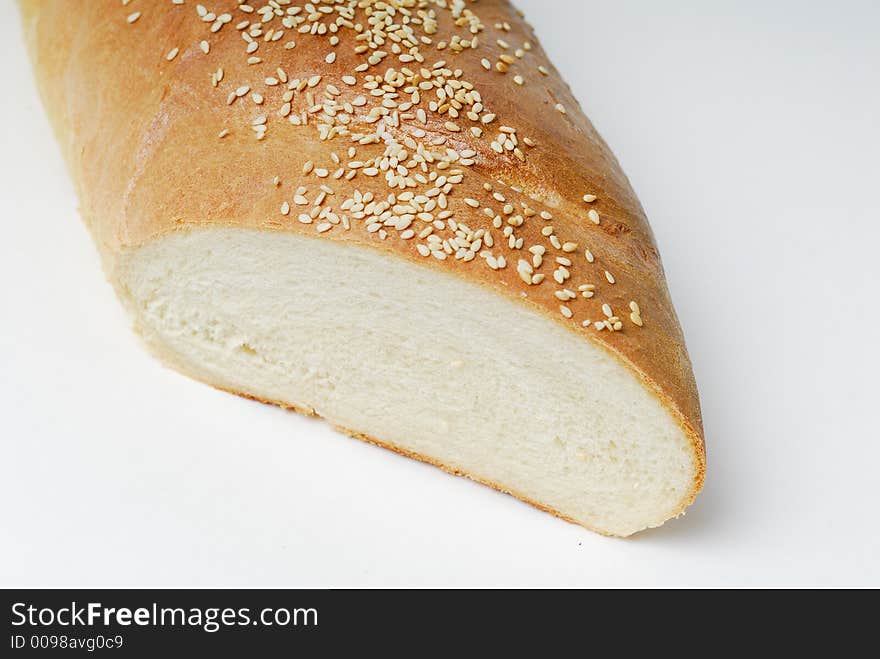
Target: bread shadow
(708,517)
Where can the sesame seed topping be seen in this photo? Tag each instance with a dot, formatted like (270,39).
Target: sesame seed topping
(410,119)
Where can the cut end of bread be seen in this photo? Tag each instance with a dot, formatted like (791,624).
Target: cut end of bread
(420,361)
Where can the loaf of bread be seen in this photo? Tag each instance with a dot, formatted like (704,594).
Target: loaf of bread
(392,214)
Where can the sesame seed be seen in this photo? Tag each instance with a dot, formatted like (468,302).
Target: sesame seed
(609,277)
(387,106)
(594,216)
(133,17)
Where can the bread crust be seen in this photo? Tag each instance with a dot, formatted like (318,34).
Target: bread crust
(140,132)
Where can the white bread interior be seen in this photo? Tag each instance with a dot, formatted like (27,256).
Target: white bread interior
(416,359)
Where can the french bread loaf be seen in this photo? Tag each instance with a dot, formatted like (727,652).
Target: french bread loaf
(389,213)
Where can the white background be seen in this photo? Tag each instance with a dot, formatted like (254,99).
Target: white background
(750,131)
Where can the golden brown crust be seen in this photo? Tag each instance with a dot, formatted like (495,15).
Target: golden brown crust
(139,125)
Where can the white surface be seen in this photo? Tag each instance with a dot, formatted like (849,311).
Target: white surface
(749,130)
